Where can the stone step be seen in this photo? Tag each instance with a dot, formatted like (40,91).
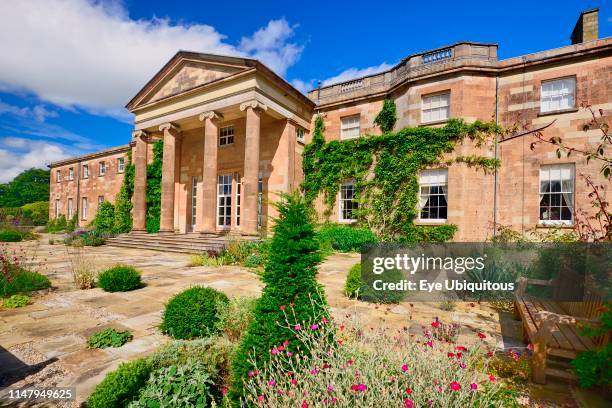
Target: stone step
(196,249)
(172,241)
(185,243)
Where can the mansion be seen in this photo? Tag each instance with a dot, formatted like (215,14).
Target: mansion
(234,133)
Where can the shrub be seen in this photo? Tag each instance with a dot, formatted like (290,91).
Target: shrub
(37,212)
(123,202)
(186,385)
(120,386)
(80,238)
(105,217)
(10,235)
(15,280)
(84,270)
(119,278)
(290,279)
(447,305)
(235,317)
(109,337)
(57,224)
(353,281)
(16,301)
(207,259)
(369,294)
(193,313)
(345,238)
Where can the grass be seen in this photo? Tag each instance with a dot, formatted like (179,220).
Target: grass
(20,281)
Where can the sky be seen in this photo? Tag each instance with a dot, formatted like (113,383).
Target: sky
(68,67)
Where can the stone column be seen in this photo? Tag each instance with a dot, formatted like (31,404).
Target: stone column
(171,133)
(139,214)
(206,211)
(250,179)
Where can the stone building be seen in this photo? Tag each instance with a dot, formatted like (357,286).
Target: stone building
(234,132)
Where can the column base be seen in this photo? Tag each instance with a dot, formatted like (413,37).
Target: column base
(138,231)
(166,232)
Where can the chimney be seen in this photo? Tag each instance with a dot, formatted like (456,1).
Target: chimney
(587,27)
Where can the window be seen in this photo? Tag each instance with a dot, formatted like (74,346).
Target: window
(557,194)
(102,168)
(348,202)
(300,135)
(120,165)
(71,173)
(100,200)
(58,176)
(57,208)
(224,200)
(259,200)
(349,128)
(435,108)
(238,198)
(70,209)
(84,208)
(433,199)
(85,171)
(226,135)
(557,95)
(194,201)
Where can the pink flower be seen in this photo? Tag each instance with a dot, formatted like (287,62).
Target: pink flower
(492,378)
(289,354)
(359,387)
(224,391)
(304,404)
(282,307)
(314,371)
(455,386)
(462,365)
(435,324)
(253,373)
(408,403)
(293,382)
(404,367)
(474,386)
(281,348)
(260,398)
(323,320)
(330,388)
(314,326)
(274,351)
(286,343)
(350,362)
(271,383)
(429,343)
(297,327)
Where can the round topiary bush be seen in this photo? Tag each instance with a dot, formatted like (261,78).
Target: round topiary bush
(353,281)
(10,235)
(193,313)
(121,386)
(120,278)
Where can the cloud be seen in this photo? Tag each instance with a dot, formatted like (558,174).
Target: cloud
(19,154)
(303,86)
(92,55)
(353,73)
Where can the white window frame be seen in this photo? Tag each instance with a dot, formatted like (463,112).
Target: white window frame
(224,201)
(238,203)
(558,94)
(58,176)
(57,208)
(100,200)
(194,200)
(226,135)
(300,134)
(350,127)
(102,168)
(120,165)
(70,209)
(565,174)
(84,208)
(86,171)
(436,107)
(342,200)
(428,179)
(71,173)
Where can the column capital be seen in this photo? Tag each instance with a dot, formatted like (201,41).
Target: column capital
(169,126)
(140,134)
(253,104)
(212,115)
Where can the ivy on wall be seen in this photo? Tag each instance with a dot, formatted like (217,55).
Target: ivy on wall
(123,203)
(387,116)
(385,171)
(154,177)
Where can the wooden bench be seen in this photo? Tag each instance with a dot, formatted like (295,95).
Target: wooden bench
(552,327)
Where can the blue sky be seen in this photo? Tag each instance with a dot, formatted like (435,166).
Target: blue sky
(69,66)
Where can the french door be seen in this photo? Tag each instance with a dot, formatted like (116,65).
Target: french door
(224,201)
(194,195)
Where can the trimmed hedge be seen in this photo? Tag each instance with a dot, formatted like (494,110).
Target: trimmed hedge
(121,386)
(193,313)
(119,278)
(353,281)
(345,238)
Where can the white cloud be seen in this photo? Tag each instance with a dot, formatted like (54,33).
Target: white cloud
(77,53)
(303,86)
(353,73)
(19,154)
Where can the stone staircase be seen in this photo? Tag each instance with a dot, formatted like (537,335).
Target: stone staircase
(190,243)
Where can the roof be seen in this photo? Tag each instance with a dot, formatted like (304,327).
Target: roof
(89,156)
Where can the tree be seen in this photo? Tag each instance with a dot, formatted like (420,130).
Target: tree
(291,290)
(28,187)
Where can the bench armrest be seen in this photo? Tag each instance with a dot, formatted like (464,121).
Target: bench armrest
(522,283)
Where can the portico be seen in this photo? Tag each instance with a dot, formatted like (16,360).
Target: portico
(230,146)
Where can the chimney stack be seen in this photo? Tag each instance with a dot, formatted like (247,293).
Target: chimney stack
(587,27)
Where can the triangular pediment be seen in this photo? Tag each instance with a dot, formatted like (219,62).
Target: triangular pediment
(184,72)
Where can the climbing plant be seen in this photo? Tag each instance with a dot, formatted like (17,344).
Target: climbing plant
(154,177)
(123,203)
(387,117)
(385,170)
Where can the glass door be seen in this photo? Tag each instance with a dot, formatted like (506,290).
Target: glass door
(224,201)
(194,194)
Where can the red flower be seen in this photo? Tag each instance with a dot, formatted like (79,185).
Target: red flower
(304,404)
(404,367)
(294,381)
(359,387)
(455,386)
(482,335)
(408,391)
(492,378)
(474,386)
(450,355)
(282,307)
(490,354)
(435,324)
(460,348)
